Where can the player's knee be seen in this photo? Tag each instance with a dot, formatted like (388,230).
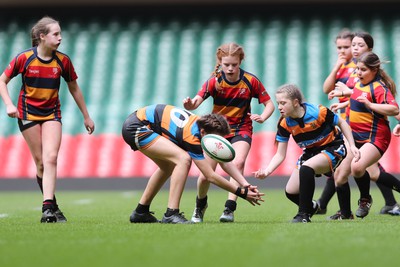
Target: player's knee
(185,160)
(240,165)
(50,159)
(357,170)
(340,179)
(202,179)
(306,172)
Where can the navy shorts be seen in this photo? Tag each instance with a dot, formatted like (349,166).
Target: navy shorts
(237,138)
(25,124)
(138,134)
(334,152)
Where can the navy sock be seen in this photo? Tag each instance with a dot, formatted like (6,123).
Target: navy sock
(389,180)
(142,208)
(387,194)
(39,181)
(293,197)
(230,204)
(344,199)
(201,203)
(307,188)
(327,194)
(48,204)
(364,183)
(171,212)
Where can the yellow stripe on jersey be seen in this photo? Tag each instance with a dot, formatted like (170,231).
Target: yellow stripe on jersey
(31,117)
(361,117)
(228,111)
(40,93)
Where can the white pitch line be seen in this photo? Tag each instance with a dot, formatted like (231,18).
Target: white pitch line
(85,201)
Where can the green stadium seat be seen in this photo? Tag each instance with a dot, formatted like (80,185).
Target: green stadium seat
(126,63)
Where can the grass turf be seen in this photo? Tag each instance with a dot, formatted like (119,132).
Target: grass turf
(98,233)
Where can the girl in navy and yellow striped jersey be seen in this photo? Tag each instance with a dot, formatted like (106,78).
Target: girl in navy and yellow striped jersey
(38,110)
(314,130)
(341,72)
(232,89)
(171,137)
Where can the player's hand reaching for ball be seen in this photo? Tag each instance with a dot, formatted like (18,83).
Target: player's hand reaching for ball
(254,196)
(188,103)
(261,174)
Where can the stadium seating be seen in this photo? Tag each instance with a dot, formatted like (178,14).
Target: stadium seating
(125,64)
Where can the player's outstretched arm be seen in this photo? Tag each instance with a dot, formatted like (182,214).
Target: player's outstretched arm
(276,160)
(246,191)
(337,106)
(192,103)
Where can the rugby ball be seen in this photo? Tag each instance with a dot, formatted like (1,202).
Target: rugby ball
(217,148)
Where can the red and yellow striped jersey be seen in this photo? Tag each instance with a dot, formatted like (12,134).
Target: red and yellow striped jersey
(233,100)
(345,71)
(353,77)
(343,75)
(38,98)
(369,126)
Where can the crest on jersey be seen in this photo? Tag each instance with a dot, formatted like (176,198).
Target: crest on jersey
(313,125)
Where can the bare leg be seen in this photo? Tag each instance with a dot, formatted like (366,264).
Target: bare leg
(170,159)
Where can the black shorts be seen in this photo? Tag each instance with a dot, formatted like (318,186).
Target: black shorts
(359,145)
(138,134)
(335,153)
(25,124)
(237,138)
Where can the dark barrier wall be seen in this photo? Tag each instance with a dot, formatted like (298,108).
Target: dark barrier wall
(8,3)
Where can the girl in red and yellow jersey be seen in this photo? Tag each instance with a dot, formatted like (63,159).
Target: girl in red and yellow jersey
(232,99)
(344,67)
(371,101)
(38,110)
(362,42)
(232,89)
(38,99)
(351,46)
(367,126)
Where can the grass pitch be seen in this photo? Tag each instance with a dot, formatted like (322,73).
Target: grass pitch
(98,233)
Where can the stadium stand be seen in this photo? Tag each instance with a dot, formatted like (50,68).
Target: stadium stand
(126,62)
